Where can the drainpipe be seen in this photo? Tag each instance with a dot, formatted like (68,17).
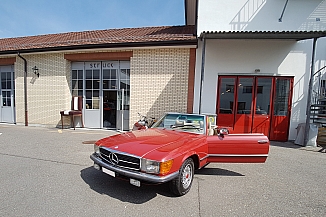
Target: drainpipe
(25,89)
(202,72)
(308,110)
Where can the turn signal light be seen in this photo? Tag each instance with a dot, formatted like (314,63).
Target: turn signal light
(165,167)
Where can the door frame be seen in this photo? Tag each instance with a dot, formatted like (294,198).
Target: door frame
(284,126)
(93,118)
(5,110)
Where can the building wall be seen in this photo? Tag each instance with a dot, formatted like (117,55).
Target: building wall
(272,57)
(158,81)
(47,94)
(263,15)
(159,84)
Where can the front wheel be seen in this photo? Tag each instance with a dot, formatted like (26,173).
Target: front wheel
(182,184)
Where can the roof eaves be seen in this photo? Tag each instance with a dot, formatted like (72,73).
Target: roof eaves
(104,45)
(287,35)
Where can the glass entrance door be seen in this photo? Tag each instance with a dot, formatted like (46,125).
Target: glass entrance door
(92,95)
(262,114)
(110,109)
(101,84)
(281,109)
(7,90)
(244,105)
(123,97)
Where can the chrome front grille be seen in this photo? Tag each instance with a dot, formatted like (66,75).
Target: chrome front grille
(120,159)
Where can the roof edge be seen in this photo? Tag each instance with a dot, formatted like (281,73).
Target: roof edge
(289,35)
(105,45)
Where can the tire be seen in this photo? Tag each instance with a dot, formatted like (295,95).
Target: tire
(182,184)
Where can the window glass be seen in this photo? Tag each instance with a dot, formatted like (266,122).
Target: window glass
(74,74)
(89,74)
(226,95)
(113,74)
(263,96)
(77,82)
(96,74)
(281,97)
(245,95)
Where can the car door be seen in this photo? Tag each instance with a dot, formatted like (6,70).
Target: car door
(238,148)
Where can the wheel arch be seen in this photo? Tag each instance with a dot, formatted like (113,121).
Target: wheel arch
(194,157)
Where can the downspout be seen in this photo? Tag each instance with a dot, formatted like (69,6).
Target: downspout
(308,110)
(202,72)
(25,89)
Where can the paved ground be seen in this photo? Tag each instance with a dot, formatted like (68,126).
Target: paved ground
(47,172)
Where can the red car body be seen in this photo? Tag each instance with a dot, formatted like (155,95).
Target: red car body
(171,152)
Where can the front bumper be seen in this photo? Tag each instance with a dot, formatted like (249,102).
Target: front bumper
(134,174)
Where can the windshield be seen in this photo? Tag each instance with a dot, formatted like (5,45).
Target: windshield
(183,122)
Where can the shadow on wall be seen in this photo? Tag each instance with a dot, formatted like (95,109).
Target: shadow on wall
(253,12)
(172,98)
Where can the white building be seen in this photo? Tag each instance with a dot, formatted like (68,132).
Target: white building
(255,59)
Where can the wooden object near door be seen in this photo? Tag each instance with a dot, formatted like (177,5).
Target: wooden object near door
(76,110)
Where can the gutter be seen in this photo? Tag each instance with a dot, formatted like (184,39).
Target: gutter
(25,88)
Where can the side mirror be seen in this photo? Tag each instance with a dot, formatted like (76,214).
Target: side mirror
(224,131)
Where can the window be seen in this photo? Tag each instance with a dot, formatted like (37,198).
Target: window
(77,82)
(92,80)
(110,79)
(247,89)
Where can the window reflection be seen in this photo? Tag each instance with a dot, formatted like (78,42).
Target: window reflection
(281,97)
(226,95)
(245,91)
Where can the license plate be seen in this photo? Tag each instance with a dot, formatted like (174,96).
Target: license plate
(109,172)
(135,182)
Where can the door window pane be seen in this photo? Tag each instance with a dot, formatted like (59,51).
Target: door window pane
(281,97)
(77,82)
(109,79)
(226,95)
(245,92)
(263,93)
(6,98)
(92,89)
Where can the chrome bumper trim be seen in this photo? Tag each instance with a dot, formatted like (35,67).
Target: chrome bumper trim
(134,174)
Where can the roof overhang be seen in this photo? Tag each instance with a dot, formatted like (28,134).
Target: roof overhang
(175,43)
(283,35)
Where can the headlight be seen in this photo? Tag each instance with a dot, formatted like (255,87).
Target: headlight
(96,149)
(151,166)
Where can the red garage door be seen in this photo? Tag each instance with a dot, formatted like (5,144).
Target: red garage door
(255,104)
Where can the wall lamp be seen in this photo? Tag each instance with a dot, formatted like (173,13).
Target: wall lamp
(35,69)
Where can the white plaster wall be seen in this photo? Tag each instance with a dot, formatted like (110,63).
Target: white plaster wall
(272,57)
(252,15)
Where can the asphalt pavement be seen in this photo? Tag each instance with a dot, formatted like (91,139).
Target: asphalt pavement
(48,172)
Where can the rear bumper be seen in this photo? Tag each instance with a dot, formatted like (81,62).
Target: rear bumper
(134,174)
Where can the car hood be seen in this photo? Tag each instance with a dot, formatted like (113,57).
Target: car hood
(145,142)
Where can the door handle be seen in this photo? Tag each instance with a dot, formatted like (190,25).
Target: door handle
(262,141)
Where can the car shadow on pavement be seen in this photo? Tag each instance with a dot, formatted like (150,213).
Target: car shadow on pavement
(217,171)
(121,189)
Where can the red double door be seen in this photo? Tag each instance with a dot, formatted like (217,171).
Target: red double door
(255,104)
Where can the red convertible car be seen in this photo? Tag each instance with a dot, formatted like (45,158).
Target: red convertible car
(175,146)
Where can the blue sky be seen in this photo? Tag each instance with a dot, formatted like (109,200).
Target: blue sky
(37,17)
